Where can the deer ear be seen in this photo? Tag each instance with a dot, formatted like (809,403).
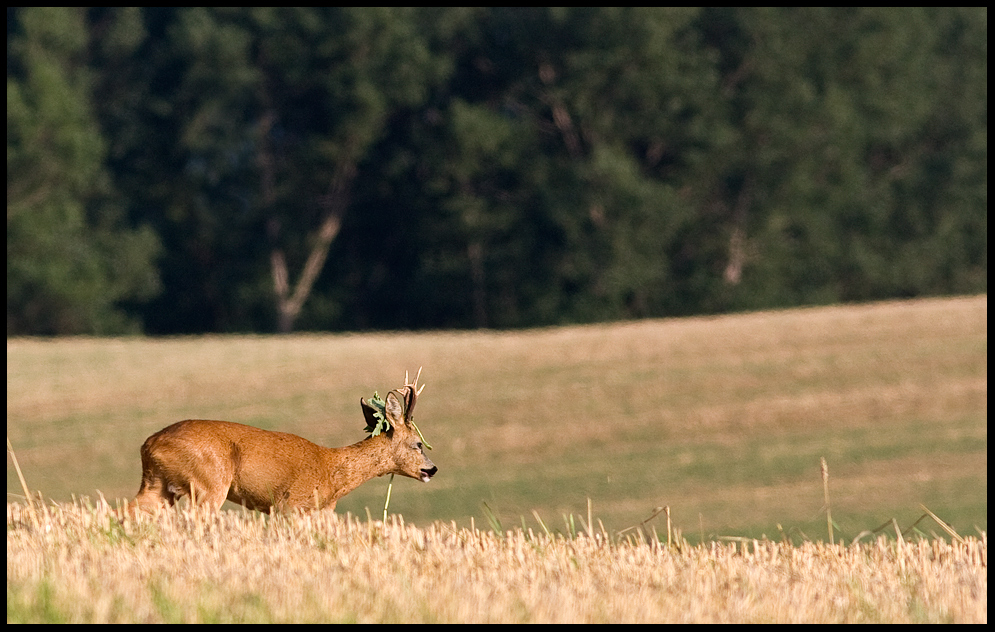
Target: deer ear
(371,420)
(394,409)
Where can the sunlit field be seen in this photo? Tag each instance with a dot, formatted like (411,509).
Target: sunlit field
(722,419)
(72,563)
(557,449)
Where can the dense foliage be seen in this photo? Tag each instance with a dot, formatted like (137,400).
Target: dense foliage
(179,170)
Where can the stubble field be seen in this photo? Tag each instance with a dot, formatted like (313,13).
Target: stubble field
(723,420)
(78,564)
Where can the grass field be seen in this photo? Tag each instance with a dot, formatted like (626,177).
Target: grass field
(74,564)
(722,419)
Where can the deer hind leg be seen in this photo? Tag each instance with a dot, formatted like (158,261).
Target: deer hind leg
(161,490)
(157,494)
(210,495)
(166,479)
(154,495)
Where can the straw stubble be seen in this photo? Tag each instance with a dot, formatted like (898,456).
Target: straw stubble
(79,564)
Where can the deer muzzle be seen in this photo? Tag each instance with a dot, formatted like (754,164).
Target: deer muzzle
(427,473)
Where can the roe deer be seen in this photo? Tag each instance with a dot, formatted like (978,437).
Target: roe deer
(210,461)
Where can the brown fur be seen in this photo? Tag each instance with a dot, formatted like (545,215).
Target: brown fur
(211,461)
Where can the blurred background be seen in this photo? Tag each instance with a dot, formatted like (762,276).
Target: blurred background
(174,170)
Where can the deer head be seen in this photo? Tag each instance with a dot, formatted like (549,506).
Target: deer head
(407,445)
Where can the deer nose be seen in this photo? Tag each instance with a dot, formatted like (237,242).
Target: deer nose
(428,473)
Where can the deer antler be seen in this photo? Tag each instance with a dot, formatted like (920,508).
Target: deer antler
(412,393)
(415,383)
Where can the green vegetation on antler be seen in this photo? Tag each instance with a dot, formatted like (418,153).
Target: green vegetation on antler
(379,406)
(382,425)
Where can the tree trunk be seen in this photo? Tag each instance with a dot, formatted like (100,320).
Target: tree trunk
(289,303)
(733,273)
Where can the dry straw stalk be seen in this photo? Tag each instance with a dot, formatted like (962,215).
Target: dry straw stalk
(79,564)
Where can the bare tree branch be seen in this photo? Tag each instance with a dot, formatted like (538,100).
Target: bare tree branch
(335,203)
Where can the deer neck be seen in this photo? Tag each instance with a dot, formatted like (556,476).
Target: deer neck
(352,465)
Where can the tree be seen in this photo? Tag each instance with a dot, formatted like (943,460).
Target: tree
(71,258)
(841,117)
(269,115)
(550,166)
(359,68)
(325,168)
